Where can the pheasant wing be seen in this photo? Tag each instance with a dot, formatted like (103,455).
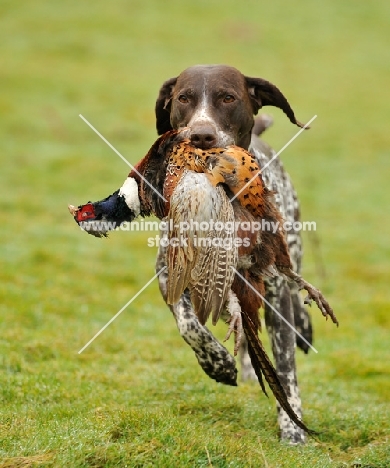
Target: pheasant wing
(212,276)
(203,258)
(181,254)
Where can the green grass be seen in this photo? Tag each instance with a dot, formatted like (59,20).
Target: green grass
(136,397)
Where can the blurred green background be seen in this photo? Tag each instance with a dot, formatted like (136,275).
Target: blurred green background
(136,397)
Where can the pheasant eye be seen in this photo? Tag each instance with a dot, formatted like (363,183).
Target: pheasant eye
(229,98)
(183,99)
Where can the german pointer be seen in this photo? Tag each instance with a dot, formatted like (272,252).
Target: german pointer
(217,103)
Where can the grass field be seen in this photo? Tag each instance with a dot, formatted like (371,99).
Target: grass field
(136,397)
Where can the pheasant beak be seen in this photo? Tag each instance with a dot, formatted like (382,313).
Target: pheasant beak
(72,210)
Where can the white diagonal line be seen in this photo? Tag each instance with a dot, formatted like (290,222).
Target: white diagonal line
(274,157)
(123,308)
(122,157)
(273,308)
(289,142)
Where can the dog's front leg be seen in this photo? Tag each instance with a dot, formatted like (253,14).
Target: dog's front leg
(214,358)
(283,343)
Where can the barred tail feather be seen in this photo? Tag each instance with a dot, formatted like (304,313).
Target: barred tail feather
(263,366)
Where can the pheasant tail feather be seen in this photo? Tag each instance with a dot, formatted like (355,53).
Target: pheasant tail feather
(263,366)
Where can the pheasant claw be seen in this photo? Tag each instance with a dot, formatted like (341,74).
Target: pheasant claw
(235,325)
(235,322)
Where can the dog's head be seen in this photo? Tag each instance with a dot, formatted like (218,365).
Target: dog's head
(217,104)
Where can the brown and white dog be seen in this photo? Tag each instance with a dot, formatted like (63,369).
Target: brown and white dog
(217,104)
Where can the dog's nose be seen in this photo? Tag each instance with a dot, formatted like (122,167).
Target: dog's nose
(203,138)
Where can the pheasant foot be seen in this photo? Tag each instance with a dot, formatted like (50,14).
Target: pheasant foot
(313,294)
(235,321)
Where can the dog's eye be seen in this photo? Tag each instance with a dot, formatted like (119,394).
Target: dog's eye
(183,98)
(229,98)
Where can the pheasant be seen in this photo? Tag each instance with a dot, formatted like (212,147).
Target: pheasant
(223,185)
(237,169)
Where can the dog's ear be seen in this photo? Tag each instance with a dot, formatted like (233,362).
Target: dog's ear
(163,107)
(263,93)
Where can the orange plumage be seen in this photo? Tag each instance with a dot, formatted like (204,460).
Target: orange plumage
(232,166)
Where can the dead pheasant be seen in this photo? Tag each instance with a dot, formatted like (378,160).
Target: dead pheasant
(238,171)
(197,185)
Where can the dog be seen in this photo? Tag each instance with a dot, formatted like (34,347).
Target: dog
(217,103)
